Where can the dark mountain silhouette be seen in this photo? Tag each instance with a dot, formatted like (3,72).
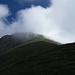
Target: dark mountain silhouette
(41,57)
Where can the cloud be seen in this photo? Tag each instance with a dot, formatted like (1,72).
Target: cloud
(35,19)
(4,11)
(56,22)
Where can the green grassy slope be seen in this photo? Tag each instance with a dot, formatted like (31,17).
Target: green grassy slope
(9,58)
(39,58)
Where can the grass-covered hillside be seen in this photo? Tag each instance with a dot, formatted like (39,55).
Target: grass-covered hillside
(40,57)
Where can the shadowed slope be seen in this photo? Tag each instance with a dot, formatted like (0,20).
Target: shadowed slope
(10,58)
(39,58)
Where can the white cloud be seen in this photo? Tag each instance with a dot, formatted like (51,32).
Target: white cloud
(56,22)
(4,11)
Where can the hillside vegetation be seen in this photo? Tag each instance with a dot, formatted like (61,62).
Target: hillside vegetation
(39,58)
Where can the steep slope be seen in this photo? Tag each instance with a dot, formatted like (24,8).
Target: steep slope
(39,58)
(13,62)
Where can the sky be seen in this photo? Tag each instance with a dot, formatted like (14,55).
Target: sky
(54,19)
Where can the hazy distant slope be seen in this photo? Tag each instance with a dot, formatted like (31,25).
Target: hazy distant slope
(10,41)
(14,40)
(39,58)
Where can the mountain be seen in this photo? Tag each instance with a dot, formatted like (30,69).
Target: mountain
(39,56)
(10,41)
(25,59)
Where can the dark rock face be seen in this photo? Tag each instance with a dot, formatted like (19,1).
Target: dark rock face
(10,41)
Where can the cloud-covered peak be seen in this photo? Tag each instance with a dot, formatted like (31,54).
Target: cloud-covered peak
(56,22)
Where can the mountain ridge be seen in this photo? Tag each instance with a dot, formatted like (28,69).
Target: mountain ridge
(16,39)
(11,41)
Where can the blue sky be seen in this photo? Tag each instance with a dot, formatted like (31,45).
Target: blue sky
(54,19)
(16,5)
